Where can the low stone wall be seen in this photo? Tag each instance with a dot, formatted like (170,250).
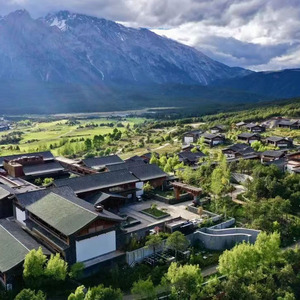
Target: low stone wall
(224,224)
(220,237)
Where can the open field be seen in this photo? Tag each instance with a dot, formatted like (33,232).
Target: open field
(38,136)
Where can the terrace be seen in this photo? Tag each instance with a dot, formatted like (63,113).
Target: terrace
(139,220)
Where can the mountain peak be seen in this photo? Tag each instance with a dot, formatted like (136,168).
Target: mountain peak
(20,13)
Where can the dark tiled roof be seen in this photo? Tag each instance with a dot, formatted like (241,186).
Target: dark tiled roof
(15,243)
(243,149)
(277,139)
(147,172)
(287,122)
(127,165)
(140,170)
(191,156)
(97,181)
(247,135)
(98,162)
(273,153)
(47,155)
(251,125)
(65,216)
(65,192)
(43,169)
(212,135)
(135,158)
(99,197)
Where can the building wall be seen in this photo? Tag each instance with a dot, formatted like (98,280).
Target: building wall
(139,185)
(20,215)
(188,139)
(95,246)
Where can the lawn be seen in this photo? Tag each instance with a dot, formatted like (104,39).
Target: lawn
(39,134)
(155,212)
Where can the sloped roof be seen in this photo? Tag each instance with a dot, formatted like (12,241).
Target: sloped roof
(127,165)
(147,172)
(15,243)
(43,169)
(247,135)
(47,155)
(97,181)
(98,162)
(191,156)
(277,139)
(62,214)
(250,125)
(212,135)
(26,199)
(5,191)
(240,148)
(287,122)
(141,170)
(273,153)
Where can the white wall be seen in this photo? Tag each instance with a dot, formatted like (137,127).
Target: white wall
(217,142)
(188,139)
(20,215)
(95,246)
(139,185)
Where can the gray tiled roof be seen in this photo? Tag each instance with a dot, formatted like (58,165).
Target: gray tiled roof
(65,192)
(15,243)
(141,170)
(97,181)
(247,135)
(98,162)
(212,135)
(47,155)
(277,138)
(43,169)
(191,156)
(273,153)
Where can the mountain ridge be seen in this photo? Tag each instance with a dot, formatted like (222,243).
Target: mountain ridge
(74,62)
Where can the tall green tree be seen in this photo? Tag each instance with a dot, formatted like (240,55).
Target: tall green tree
(79,294)
(177,241)
(34,266)
(154,241)
(103,293)
(144,289)
(28,294)
(185,281)
(56,268)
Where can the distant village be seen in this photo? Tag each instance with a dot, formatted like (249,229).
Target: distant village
(89,209)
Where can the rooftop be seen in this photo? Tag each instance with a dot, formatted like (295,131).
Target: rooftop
(273,153)
(97,181)
(212,135)
(100,162)
(277,138)
(47,155)
(15,243)
(191,156)
(43,169)
(247,135)
(62,214)
(65,192)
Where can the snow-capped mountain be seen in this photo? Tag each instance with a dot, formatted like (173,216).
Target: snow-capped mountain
(73,62)
(77,48)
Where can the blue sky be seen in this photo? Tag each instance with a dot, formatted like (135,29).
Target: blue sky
(255,34)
